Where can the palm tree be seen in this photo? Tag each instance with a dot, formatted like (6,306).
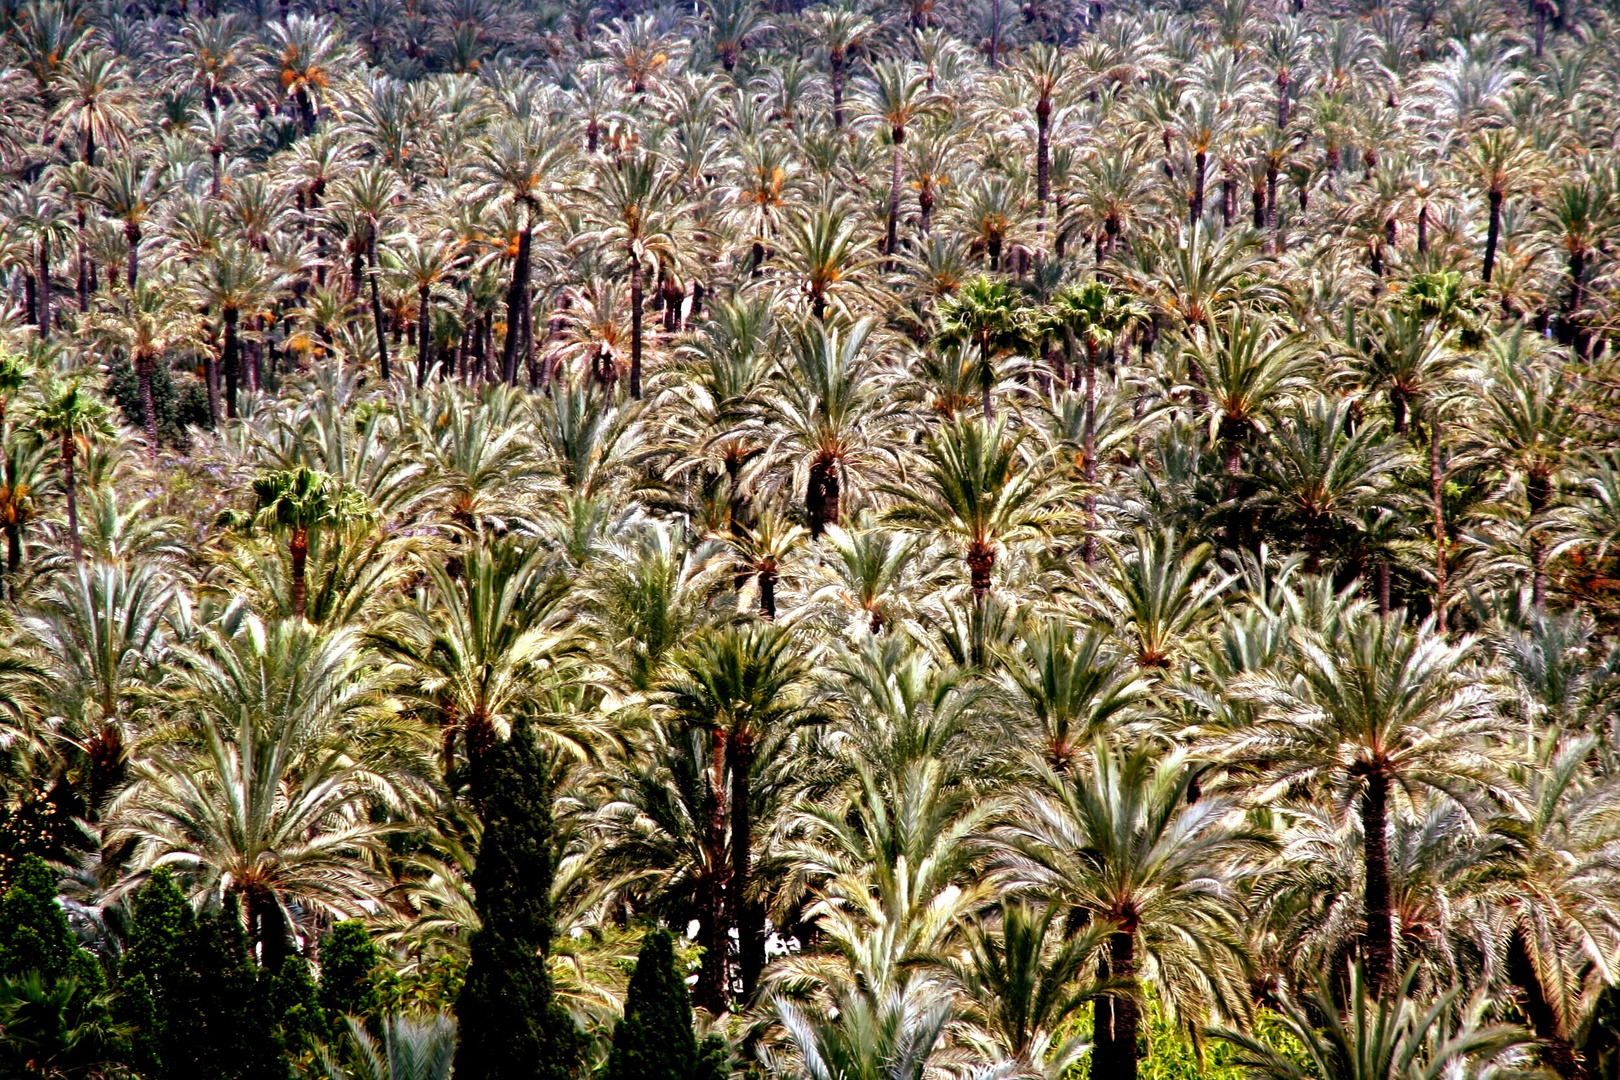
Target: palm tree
(982,489)
(310,52)
(99,104)
(898,93)
(826,250)
(1042,69)
(273,799)
(637,208)
(1098,316)
(1378,708)
(890,1034)
(129,191)
(1157,594)
(300,500)
(748,686)
(147,324)
(369,194)
(236,282)
(424,265)
(485,645)
(1499,162)
(843,31)
(735,21)
(411,1048)
(1243,365)
(826,411)
(988,313)
(1073,686)
(74,420)
(1376,1036)
(1117,844)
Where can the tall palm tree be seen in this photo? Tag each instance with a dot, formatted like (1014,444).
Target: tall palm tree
(843,30)
(74,420)
(369,194)
(994,318)
(636,208)
(1378,708)
(749,686)
(982,489)
(148,323)
(898,96)
(236,282)
(1498,162)
(272,798)
(1117,844)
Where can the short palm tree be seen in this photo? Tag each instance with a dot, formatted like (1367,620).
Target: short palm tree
(994,318)
(1116,843)
(1072,686)
(982,489)
(411,1048)
(299,501)
(1243,365)
(1159,591)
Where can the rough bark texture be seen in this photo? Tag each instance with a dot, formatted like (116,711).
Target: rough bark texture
(1379,942)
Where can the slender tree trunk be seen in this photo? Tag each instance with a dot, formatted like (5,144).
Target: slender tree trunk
(1117,1016)
(132,236)
(1043,158)
(1493,234)
(637,285)
(298,548)
(376,301)
(767,593)
(1380,943)
(1423,229)
(896,178)
(424,333)
(233,362)
(1538,493)
(822,494)
(82,267)
(1195,211)
(1089,448)
(1383,588)
(711,987)
(70,487)
(517,296)
(211,378)
(836,61)
(1437,496)
(143,376)
(44,289)
(747,912)
(995,34)
(925,207)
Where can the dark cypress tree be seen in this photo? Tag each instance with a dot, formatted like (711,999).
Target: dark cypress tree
(34,931)
(157,987)
(240,1040)
(511,1027)
(295,1003)
(350,976)
(654,1041)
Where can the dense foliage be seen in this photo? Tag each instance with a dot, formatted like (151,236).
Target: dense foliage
(549,538)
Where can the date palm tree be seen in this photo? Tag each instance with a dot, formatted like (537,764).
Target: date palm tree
(1378,708)
(236,282)
(1116,844)
(73,419)
(147,324)
(898,95)
(636,208)
(981,488)
(1498,162)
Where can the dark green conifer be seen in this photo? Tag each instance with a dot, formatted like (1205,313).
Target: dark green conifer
(654,1041)
(296,1004)
(511,1025)
(240,1041)
(34,931)
(350,976)
(157,986)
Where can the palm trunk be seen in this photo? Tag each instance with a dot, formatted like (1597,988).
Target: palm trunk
(767,593)
(1383,588)
(298,548)
(822,494)
(835,61)
(981,560)
(711,986)
(44,289)
(637,286)
(376,301)
(1423,229)
(143,376)
(132,235)
(1437,492)
(896,178)
(1089,448)
(1117,1016)
(233,362)
(1379,943)
(1195,209)
(517,296)
(746,912)
(1043,158)
(995,34)
(424,340)
(71,488)
(1538,493)
(1493,234)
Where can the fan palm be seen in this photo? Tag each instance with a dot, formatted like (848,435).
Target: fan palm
(299,501)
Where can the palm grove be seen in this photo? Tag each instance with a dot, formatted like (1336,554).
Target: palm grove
(930,539)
